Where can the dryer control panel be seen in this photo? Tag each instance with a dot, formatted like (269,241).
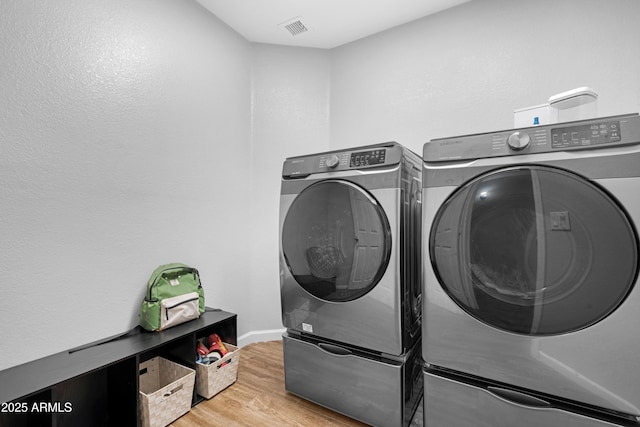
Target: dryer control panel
(580,135)
(358,158)
(367,158)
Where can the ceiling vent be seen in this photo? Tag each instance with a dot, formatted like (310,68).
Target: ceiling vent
(294,26)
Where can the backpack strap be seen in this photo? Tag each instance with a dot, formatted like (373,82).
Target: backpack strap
(134,331)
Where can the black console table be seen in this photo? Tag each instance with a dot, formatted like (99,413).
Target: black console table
(97,384)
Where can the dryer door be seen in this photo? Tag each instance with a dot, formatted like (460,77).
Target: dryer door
(534,250)
(336,240)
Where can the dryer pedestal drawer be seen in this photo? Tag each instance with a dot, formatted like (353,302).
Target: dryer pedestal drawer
(376,391)
(450,403)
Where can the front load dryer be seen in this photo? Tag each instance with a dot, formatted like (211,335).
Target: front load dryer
(349,247)
(531,302)
(350,281)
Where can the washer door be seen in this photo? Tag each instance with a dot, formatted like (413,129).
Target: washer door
(534,250)
(336,240)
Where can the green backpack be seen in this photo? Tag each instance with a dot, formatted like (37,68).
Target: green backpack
(174,295)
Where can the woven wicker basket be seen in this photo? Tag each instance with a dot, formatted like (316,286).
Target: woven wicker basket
(212,379)
(166,391)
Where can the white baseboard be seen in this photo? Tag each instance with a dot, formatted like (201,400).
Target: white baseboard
(260,336)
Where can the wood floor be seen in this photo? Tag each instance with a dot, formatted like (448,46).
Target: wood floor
(258,398)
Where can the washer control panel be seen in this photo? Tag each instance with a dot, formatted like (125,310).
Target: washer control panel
(579,135)
(584,135)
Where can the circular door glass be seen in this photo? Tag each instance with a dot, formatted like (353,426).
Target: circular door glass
(534,250)
(336,240)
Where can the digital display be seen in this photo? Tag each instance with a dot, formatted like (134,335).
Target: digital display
(367,158)
(586,135)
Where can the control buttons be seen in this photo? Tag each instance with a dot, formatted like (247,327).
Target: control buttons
(585,135)
(367,158)
(518,140)
(333,161)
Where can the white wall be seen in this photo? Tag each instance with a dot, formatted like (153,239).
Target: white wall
(123,121)
(466,69)
(290,116)
(124,126)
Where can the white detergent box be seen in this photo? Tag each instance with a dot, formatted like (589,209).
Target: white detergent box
(531,116)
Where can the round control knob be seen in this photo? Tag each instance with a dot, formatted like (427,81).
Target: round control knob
(333,161)
(518,140)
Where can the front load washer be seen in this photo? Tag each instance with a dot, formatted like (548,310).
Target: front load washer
(350,281)
(530,269)
(349,248)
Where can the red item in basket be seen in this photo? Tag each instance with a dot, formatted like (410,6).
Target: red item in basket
(201,349)
(215,344)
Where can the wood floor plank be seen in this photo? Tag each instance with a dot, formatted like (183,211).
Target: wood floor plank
(258,398)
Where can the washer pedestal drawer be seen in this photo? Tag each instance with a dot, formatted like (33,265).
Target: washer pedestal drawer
(369,388)
(450,403)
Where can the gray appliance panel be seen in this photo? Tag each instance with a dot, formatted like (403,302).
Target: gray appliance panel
(373,321)
(601,133)
(449,403)
(377,391)
(388,318)
(359,158)
(596,365)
